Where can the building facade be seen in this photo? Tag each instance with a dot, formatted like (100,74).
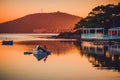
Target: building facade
(98,33)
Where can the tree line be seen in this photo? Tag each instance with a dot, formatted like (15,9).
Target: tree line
(104,16)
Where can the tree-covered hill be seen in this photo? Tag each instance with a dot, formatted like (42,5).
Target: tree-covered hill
(104,16)
(55,22)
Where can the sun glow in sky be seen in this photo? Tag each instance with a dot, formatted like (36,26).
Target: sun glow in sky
(12,9)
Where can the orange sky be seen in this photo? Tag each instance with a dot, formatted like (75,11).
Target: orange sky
(12,9)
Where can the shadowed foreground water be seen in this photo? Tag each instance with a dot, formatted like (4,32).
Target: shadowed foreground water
(69,60)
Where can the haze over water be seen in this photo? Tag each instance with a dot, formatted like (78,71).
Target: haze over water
(13,9)
(69,60)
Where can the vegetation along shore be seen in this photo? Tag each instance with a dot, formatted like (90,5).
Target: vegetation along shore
(104,16)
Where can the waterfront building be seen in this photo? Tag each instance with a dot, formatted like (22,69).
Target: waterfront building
(98,33)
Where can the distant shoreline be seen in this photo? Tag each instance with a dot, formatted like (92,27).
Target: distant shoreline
(69,35)
(32,33)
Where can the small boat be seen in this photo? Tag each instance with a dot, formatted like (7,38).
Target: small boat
(7,42)
(40,53)
(40,50)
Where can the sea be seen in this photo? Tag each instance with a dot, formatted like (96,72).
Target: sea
(70,59)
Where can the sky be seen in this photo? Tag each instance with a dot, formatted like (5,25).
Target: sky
(12,9)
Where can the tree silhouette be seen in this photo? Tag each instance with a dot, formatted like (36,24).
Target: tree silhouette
(101,16)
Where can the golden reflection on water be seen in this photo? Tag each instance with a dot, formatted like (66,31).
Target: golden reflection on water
(66,62)
(14,62)
(102,56)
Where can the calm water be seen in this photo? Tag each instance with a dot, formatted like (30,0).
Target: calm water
(69,60)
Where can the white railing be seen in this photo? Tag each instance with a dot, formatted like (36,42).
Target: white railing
(98,36)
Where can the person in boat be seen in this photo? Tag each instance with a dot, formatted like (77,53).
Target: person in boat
(45,47)
(41,48)
(38,47)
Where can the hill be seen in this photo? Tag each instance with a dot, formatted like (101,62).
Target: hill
(41,23)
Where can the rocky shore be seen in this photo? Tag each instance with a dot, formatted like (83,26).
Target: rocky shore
(69,35)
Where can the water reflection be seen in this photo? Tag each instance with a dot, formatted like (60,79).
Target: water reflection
(68,61)
(102,56)
(39,57)
(56,47)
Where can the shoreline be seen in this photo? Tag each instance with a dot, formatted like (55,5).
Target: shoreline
(69,35)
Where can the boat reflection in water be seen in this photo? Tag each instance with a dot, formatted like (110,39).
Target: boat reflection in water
(40,57)
(39,52)
(102,56)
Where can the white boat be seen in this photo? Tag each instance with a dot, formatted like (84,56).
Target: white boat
(40,53)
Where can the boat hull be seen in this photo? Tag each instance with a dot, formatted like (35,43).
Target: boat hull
(39,55)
